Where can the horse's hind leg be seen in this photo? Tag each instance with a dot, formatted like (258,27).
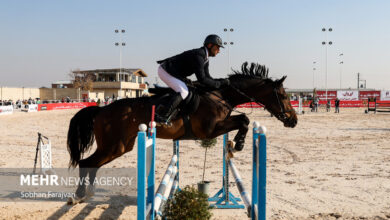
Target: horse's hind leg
(90,165)
(87,166)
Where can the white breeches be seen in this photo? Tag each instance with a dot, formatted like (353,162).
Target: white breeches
(172,82)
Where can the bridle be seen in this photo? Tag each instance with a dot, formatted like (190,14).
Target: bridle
(280,115)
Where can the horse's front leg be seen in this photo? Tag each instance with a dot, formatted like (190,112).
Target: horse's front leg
(234,122)
(242,131)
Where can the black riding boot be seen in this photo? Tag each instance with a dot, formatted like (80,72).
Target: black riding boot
(164,113)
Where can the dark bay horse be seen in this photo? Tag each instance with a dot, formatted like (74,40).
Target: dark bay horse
(115,126)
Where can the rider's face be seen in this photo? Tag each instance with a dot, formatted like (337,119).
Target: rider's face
(213,50)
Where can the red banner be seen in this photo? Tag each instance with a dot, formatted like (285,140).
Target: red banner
(331,95)
(343,103)
(249,105)
(380,104)
(369,94)
(351,103)
(59,106)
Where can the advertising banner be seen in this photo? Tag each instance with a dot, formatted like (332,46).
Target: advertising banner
(369,94)
(352,104)
(343,103)
(32,108)
(350,95)
(6,110)
(249,105)
(331,95)
(385,95)
(58,106)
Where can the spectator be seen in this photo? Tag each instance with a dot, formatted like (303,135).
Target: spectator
(316,101)
(328,106)
(337,105)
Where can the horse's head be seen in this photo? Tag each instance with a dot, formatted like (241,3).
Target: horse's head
(253,82)
(278,103)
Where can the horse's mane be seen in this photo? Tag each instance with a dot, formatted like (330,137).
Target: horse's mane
(254,71)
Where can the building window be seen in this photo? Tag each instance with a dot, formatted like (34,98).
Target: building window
(133,78)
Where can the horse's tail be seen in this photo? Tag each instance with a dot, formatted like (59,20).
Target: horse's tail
(80,133)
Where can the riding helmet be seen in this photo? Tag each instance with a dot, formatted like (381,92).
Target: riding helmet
(213,39)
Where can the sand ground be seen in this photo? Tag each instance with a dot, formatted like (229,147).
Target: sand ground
(331,166)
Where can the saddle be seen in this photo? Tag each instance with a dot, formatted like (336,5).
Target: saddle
(162,95)
(188,106)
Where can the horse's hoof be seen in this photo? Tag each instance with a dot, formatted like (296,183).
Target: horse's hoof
(72,201)
(230,150)
(90,192)
(239,146)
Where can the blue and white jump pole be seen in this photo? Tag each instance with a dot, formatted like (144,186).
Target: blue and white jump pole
(224,199)
(148,204)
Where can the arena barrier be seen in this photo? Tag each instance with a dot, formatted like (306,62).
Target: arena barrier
(377,106)
(29,107)
(6,109)
(149,204)
(224,199)
(65,105)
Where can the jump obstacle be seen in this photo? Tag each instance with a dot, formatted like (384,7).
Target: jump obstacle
(44,150)
(300,106)
(149,204)
(224,199)
(375,106)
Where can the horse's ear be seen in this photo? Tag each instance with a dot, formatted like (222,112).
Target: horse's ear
(280,81)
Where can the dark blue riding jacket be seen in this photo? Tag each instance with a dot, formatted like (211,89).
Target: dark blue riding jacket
(189,62)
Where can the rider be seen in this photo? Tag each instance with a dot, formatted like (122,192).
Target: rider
(174,70)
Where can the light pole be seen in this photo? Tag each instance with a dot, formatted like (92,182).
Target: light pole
(314,69)
(361,80)
(326,58)
(341,67)
(120,44)
(228,43)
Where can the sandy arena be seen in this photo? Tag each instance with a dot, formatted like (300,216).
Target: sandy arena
(331,166)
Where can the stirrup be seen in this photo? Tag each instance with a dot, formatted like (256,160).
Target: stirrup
(159,119)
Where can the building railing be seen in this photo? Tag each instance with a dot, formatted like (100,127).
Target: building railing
(118,85)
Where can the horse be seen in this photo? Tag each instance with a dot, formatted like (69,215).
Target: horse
(115,126)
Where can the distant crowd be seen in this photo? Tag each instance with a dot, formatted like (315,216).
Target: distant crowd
(19,102)
(22,103)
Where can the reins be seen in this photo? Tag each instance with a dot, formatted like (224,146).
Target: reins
(251,100)
(280,115)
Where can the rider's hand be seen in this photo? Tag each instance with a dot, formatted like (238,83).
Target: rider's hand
(188,81)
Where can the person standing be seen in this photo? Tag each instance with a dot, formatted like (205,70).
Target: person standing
(316,103)
(337,105)
(328,106)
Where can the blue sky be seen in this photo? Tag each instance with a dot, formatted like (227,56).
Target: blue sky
(42,41)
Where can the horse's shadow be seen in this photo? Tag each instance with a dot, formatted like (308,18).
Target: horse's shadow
(116,206)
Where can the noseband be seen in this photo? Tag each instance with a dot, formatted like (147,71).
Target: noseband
(282,114)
